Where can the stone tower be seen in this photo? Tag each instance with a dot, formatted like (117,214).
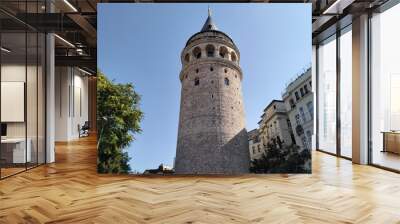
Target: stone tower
(212,138)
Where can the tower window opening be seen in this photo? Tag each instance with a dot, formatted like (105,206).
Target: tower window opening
(197,52)
(233,56)
(210,50)
(196,81)
(223,52)
(211,69)
(226,81)
(197,70)
(187,58)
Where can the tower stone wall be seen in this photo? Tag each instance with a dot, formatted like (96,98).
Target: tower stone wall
(212,138)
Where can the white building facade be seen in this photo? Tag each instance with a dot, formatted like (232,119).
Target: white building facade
(256,147)
(298,100)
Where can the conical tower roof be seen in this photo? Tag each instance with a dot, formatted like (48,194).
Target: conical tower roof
(209,24)
(210,29)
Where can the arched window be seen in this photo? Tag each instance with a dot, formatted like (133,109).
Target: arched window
(223,52)
(233,56)
(197,52)
(226,81)
(210,50)
(187,58)
(196,81)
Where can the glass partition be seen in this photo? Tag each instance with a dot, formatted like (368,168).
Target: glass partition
(385,89)
(346,92)
(31,98)
(22,101)
(13,94)
(327,95)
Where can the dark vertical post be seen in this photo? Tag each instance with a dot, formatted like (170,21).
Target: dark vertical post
(26,86)
(338,73)
(317,97)
(0,94)
(369,98)
(37,88)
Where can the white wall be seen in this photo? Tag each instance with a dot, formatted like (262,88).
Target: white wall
(71,102)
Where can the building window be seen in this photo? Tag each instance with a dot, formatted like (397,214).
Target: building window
(274,107)
(305,89)
(211,69)
(292,104)
(226,81)
(309,136)
(327,95)
(305,145)
(301,92)
(278,139)
(197,52)
(297,117)
(197,70)
(310,84)
(310,108)
(226,70)
(223,51)
(345,83)
(385,87)
(196,81)
(233,56)
(297,95)
(303,115)
(210,50)
(289,124)
(187,58)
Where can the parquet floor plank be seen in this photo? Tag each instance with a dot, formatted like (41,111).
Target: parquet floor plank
(70,191)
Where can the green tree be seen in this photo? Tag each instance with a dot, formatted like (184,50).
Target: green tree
(118,119)
(282,159)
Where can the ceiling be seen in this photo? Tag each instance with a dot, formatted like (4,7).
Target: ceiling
(76,22)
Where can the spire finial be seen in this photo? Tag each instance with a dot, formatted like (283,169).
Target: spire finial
(209,11)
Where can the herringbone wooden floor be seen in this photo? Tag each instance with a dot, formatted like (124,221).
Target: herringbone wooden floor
(70,191)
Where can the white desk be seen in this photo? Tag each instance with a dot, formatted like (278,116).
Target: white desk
(19,153)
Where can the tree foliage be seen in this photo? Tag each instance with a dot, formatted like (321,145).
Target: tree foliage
(118,119)
(282,159)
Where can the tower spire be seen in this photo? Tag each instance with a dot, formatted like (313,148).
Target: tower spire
(209,24)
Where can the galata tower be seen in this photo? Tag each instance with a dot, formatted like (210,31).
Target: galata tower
(212,138)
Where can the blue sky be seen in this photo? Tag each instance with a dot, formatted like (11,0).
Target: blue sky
(141,43)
